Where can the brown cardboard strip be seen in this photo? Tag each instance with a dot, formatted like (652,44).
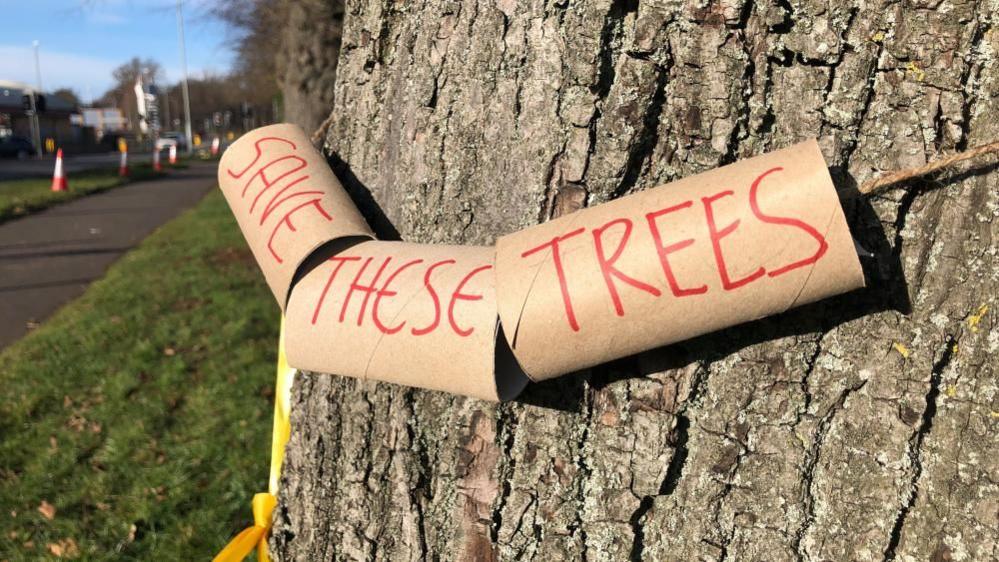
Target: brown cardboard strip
(411,314)
(724,247)
(287,201)
(703,253)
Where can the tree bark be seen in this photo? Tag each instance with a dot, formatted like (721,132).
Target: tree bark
(307,60)
(859,428)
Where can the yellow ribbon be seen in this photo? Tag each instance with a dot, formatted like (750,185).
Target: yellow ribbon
(255,536)
(263,504)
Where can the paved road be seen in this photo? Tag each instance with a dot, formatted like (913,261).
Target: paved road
(11,169)
(49,258)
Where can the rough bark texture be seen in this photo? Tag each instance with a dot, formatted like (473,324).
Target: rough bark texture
(863,427)
(308,58)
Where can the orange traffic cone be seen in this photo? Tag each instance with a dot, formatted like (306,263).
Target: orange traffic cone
(156,160)
(173,154)
(215,146)
(123,166)
(58,178)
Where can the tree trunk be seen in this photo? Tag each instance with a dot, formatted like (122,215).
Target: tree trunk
(862,427)
(306,63)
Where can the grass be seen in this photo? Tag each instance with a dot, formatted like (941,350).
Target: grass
(139,416)
(22,197)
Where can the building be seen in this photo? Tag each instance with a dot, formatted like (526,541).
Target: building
(103,120)
(54,122)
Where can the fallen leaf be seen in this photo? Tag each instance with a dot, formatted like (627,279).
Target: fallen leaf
(95,427)
(28,544)
(53,443)
(77,423)
(102,506)
(169,352)
(65,548)
(47,510)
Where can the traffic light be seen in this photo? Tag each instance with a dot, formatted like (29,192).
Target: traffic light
(39,102)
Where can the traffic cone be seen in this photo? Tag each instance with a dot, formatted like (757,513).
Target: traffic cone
(156,160)
(173,154)
(58,178)
(215,146)
(123,166)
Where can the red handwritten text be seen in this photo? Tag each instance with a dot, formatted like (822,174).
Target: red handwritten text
(380,284)
(281,176)
(607,253)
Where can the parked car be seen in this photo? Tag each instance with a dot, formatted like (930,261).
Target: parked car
(109,141)
(167,140)
(17,147)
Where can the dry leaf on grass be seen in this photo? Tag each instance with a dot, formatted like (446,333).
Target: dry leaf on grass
(47,510)
(131,533)
(65,548)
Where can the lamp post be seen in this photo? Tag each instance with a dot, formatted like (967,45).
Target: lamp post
(36,126)
(184,90)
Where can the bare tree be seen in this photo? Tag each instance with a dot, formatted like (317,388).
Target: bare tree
(859,428)
(67,94)
(291,46)
(122,94)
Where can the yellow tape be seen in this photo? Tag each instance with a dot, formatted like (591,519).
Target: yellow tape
(282,412)
(263,504)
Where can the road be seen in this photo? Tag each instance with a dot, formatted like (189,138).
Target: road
(49,258)
(11,169)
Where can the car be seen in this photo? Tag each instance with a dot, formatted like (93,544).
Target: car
(167,140)
(16,146)
(111,141)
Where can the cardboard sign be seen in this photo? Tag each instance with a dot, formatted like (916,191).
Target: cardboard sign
(287,201)
(731,245)
(734,244)
(412,314)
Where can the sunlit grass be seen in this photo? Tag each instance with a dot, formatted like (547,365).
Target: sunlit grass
(25,196)
(141,412)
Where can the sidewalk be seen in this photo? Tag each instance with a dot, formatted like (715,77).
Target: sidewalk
(49,258)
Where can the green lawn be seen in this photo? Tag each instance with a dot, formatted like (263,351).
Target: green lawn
(141,413)
(21,197)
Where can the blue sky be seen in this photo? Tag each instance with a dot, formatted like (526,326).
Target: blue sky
(82,41)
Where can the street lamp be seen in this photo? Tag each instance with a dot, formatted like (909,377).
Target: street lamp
(184,90)
(36,126)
